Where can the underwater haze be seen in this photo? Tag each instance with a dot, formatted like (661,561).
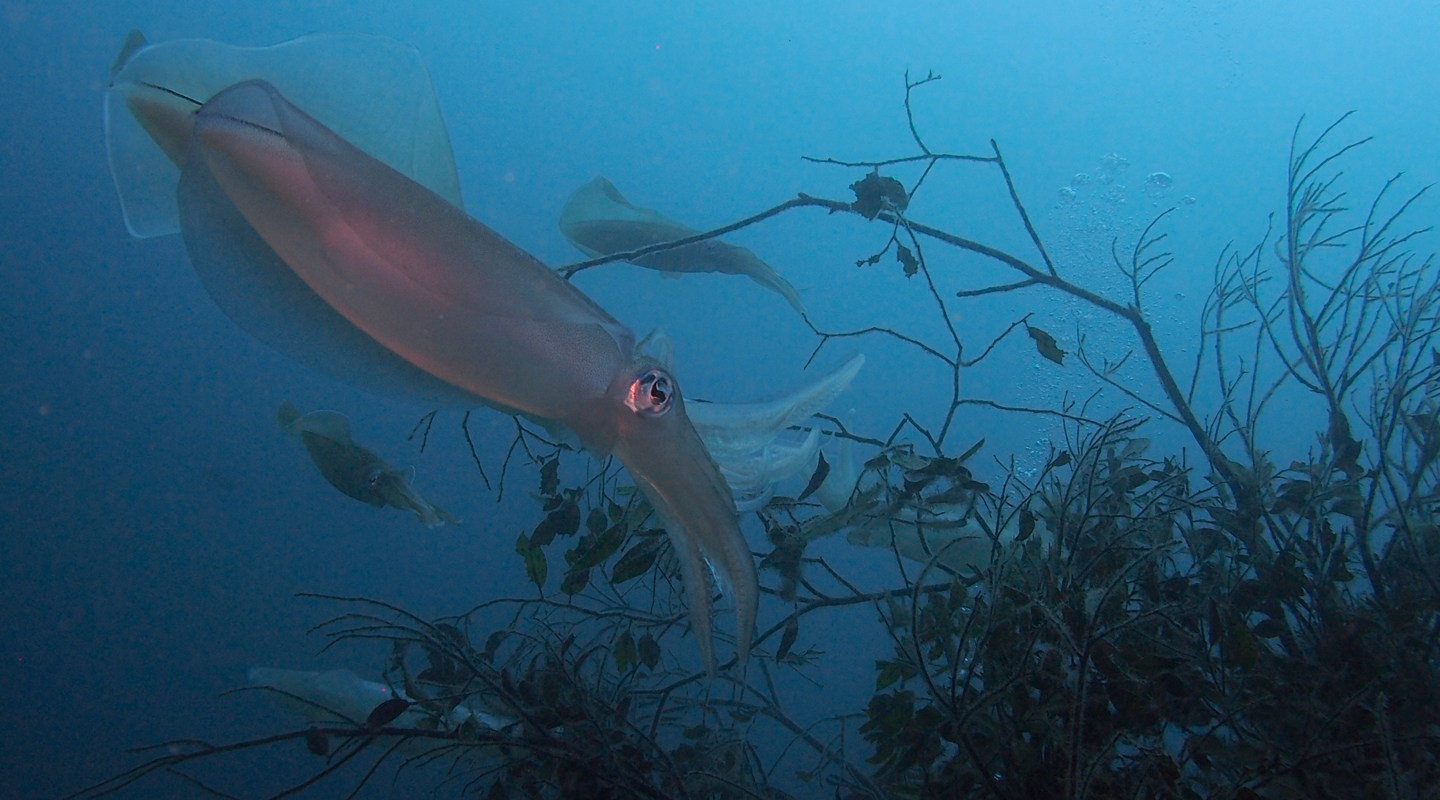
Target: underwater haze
(158,524)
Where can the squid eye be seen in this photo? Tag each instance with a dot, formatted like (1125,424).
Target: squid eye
(373,479)
(650,394)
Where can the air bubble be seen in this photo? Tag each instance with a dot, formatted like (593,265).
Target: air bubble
(1111,166)
(1158,184)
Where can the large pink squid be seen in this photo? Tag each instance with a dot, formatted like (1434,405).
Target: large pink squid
(339,258)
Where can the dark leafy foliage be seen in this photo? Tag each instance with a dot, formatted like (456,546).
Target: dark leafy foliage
(875,193)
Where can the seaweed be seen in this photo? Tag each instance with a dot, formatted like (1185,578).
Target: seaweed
(1118,622)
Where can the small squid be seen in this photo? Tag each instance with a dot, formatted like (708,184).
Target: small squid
(355,470)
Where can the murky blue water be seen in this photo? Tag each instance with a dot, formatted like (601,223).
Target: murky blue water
(156,522)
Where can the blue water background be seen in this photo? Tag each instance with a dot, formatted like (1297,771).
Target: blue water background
(156,522)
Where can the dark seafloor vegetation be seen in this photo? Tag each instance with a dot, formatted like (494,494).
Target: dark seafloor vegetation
(1205,623)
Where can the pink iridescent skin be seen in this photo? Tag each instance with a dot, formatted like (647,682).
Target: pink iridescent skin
(454,298)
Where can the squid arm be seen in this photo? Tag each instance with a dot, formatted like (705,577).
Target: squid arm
(753,477)
(748,440)
(741,428)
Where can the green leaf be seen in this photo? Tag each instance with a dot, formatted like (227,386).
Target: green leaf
(1060,460)
(1340,572)
(1174,685)
(742,713)
(1148,665)
(821,470)
(787,639)
(1131,478)
(1204,541)
(1347,507)
(601,547)
(1045,344)
(890,672)
(874,193)
(595,521)
(957,596)
(624,652)
(888,714)
(575,581)
(492,644)
(636,562)
(1027,524)
(1241,649)
(907,259)
(535,567)
(696,732)
(1326,535)
(563,521)
(649,651)
(550,476)
(386,713)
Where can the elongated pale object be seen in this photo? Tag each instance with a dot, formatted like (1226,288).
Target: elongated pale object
(599,221)
(741,428)
(837,488)
(341,696)
(752,477)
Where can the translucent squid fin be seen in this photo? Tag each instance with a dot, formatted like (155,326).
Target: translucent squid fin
(372,91)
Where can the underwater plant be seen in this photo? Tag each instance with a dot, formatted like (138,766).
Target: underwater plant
(1119,622)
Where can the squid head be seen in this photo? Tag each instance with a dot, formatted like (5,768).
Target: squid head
(659,446)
